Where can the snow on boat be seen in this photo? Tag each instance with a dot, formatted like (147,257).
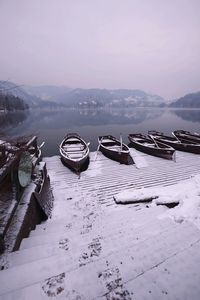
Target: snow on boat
(149,146)
(187,146)
(186,136)
(115,149)
(74,152)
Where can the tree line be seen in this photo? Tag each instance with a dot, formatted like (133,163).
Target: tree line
(12,103)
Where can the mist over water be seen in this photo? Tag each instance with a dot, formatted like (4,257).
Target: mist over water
(52,125)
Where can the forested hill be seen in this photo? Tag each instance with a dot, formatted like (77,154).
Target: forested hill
(12,103)
(188,101)
(10,88)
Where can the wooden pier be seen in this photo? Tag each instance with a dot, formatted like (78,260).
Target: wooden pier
(93,248)
(105,177)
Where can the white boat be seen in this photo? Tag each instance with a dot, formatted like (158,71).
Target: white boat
(74,152)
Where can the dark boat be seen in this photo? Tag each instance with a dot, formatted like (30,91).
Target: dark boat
(142,143)
(74,152)
(185,136)
(185,145)
(114,149)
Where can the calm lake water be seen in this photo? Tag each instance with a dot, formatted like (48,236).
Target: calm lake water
(52,125)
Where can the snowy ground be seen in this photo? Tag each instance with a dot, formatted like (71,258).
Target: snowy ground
(185,194)
(93,248)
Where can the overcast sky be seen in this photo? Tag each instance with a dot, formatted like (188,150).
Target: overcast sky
(153,45)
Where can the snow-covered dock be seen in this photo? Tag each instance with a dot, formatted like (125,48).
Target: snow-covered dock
(93,248)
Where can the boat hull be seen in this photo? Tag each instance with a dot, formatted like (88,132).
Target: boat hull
(182,146)
(185,136)
(122,157)
(167,153)
(76,166)
(74,153)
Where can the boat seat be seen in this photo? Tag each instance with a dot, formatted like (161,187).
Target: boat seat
(73,148)
(73,144)
(150,145)
(115,148)
(106,141)
(76,155)
(72,139)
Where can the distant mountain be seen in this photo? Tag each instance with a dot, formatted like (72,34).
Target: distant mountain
(106,98)
(56,96)
(47,92)
(62,96)
(10,88)
(188,101)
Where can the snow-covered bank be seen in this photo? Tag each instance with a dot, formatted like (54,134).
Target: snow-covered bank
(95,168)
(186,194)
(138,158)
(93,248)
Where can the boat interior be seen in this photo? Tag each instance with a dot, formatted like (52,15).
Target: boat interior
(147,143)
(74,148)
(116,148)
(151,143)
(112,145)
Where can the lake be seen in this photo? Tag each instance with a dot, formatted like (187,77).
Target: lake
(52,125)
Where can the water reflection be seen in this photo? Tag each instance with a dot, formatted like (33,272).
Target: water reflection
(12,119)
(66,118)
(52,125)
(119,116)
(188,115)
(58,119)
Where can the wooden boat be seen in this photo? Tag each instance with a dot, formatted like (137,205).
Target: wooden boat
(12,150)
(187,146)
(114,149)
(74,152)
(148,145)
(185,136)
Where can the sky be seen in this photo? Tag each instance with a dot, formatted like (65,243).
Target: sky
(152,45)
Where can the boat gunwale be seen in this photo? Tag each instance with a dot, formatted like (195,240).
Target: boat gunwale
(188,137)
(112,138)
(154,146)
(64,154)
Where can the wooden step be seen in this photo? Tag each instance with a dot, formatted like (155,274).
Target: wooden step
(93,278)
(127,229)
(137,214)
(79,245)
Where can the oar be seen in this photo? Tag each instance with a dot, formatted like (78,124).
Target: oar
(79,174)
(174,156)
(154,140)
(59,146)
(176,137)
(121,141)
(37,150)
(39,147)
(98,148)
(42,144)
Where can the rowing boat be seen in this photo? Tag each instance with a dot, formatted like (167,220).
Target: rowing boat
(186,146)
(148,145)
(186,136)
(115,149)
(74,152)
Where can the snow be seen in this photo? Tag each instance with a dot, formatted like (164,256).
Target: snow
(92,250)
(95,168)
(186,194)
(138,158)
(94,172)
(139,195)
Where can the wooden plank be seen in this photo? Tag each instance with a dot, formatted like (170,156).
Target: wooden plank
(115,177)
